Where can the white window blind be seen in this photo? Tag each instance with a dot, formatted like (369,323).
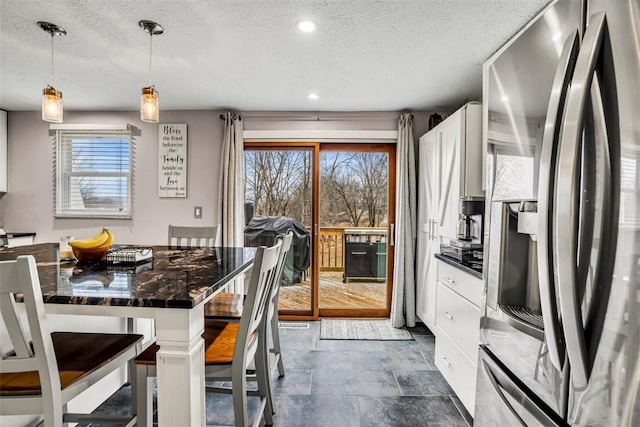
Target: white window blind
(93,173)
(630,189)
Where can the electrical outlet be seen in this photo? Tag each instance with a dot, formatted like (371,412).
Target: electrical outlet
(197,212)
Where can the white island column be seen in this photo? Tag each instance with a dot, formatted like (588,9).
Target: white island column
(180,366)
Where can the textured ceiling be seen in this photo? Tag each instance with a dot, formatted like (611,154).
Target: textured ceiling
(366,55)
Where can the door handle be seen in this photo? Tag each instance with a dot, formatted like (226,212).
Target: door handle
(585,82)
(392,234)
(451,281)
(447,315)
(446,362)
(546,193)
(504,383)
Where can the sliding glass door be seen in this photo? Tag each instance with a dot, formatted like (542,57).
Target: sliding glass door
(339,200)
(355,217)
(279,183)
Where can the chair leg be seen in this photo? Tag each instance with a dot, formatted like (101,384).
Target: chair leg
(264,383)
(239,392)
(275,336)
(143,397)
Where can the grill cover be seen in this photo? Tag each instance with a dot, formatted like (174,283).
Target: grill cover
(262,231)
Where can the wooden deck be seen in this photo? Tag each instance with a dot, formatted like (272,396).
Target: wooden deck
(354,294)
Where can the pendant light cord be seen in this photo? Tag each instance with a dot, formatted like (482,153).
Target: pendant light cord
(52,82)
(150,54)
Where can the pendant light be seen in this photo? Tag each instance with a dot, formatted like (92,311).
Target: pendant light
(51,97)
(149,108)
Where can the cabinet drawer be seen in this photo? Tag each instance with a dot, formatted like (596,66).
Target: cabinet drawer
(458,370)
(459,319)
(465,284)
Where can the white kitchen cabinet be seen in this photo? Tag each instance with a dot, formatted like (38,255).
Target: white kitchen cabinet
(449,167)
(459,154)
(458,325)
(427,238)
(3,151)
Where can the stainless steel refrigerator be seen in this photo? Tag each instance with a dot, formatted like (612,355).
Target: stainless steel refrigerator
(561,323)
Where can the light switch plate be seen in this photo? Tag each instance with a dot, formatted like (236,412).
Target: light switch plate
(197,212)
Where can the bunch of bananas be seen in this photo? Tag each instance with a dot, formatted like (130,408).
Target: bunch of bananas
(102,240)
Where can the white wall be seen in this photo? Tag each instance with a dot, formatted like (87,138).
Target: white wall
(28,204)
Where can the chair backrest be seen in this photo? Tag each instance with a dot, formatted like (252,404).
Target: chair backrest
(262,273)
(275,287)
(21,276)
(192,237)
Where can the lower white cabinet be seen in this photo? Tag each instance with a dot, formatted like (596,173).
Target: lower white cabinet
(458,324)
(459,319)
(459,371)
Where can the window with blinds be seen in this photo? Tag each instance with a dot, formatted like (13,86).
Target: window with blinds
(630,189)
(93,173)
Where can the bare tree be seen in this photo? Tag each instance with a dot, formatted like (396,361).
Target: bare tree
(353,186)
(357,183)
(278,183)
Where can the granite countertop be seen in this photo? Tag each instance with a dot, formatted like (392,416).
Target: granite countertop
(459,265)
(175,277)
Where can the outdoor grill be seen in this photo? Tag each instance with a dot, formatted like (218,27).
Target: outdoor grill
(263,230)
(365,253)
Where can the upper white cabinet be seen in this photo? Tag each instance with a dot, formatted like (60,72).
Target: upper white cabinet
(3,151)
(449,167)
(459,158)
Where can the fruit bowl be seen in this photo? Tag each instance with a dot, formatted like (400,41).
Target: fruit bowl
(91,254)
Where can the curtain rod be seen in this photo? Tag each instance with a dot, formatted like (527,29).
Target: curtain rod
(318,117)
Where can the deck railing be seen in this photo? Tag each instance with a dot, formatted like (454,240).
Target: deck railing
(331,249)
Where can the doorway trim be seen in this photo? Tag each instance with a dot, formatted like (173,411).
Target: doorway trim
(340,139)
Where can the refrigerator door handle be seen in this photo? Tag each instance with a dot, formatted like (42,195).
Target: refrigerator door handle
(566,212)
(504,384)
(546,191)
(432,228)
(516,420)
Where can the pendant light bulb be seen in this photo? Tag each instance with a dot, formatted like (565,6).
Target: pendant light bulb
(52,110)
(52,105)
(149,105)
(149,96)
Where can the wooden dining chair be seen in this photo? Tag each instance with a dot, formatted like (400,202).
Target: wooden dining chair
(228,307)
(230,348)
(45,370)
(192,237)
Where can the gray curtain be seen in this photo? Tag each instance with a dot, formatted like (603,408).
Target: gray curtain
(231,207)
(403,307)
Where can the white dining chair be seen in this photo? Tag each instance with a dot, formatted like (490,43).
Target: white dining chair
(231,349)
(44,370)
(228,307)
(192,237)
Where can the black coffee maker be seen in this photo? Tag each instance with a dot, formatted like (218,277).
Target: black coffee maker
(470,224)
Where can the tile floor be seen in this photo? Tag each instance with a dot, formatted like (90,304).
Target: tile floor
(347,383)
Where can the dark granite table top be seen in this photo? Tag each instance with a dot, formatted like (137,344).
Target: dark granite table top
(179,278)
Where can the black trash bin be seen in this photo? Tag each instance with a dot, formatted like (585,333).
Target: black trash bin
(262,231)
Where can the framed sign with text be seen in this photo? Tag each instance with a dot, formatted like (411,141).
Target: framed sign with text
(172,160)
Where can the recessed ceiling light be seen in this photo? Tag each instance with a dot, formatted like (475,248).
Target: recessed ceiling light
(504,99)
(313,95)
(306,26)
(556,36)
